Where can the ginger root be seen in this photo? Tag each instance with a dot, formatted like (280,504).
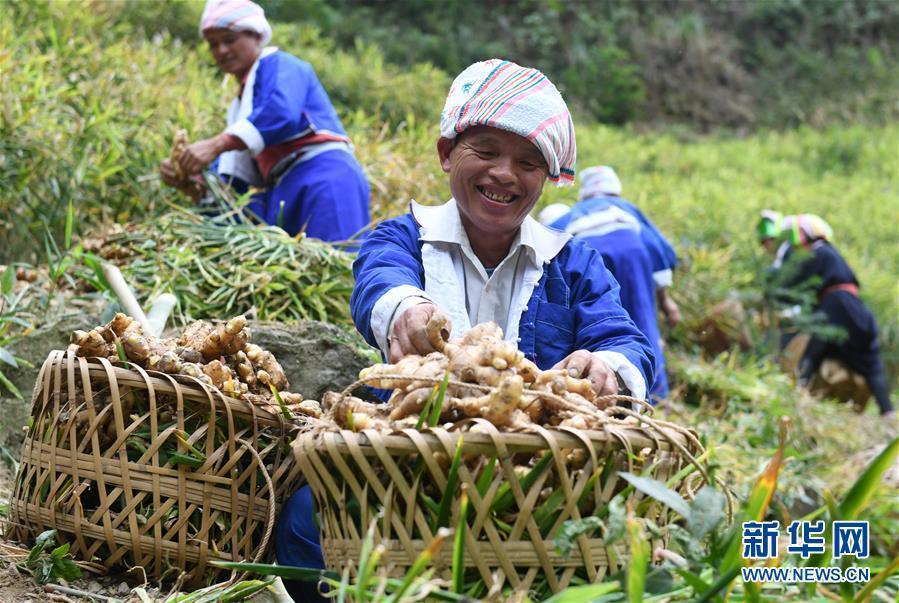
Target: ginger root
(498,406)
(350,412)
(269,370)
(219,373)
(437,332)
(178,145)
(219,356)
(194,335)
(559,381)
(91,343)
(226,339)
(411,403)
(481,357)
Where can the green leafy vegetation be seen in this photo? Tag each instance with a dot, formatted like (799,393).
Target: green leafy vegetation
(47,562)
(221,268)
(771,63)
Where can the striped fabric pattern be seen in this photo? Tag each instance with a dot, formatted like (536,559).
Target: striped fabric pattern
(805,228)
(236,15)
(521,100)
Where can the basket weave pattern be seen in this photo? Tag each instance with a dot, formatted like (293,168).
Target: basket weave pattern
(138,468)
(372,477)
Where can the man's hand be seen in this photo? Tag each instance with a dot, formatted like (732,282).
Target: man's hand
(583,364)
(410,335)
(672,313)
(201,153)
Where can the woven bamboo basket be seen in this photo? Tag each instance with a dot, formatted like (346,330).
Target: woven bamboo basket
(139,468)
(382,479)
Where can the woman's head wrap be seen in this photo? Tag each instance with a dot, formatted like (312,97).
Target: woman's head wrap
(805,228)
(798,229)
(236,15)
(597,181)
(503,95)
(768,226)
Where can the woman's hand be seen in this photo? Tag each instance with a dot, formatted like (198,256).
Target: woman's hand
(201,153)
(192,187)
(668,306)
(410,333)
(169,174)
(585,365)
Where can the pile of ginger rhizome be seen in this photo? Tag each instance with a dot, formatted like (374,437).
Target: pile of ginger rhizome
(486,377)
(219,356)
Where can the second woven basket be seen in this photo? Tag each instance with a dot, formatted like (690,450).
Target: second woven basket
(522,488)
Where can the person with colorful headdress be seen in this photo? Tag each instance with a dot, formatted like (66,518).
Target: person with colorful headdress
(778,233)
(282,136)
(632,248)
(805,254)
(504,131)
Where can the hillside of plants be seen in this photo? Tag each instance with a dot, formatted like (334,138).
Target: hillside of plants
(777,63)
(708,111)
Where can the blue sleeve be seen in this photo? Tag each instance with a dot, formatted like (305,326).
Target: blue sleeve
(279,94)
(661,253)
(601,323)
(660,250)
(389,257)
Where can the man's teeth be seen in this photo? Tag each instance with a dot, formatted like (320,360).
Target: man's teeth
(496,196)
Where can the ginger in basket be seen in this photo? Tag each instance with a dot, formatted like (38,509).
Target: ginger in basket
(488,378)
(220,356)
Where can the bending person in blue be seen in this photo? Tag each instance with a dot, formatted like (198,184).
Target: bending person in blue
(633,249)
(505,130)
(283,134)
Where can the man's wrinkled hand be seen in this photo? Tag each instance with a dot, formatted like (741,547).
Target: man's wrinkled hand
(668,306)
(193,187)
(585,365)
(410,335)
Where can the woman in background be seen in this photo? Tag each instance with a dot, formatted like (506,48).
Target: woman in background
(283,134)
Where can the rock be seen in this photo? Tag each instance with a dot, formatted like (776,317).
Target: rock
(316,356)
(34,349)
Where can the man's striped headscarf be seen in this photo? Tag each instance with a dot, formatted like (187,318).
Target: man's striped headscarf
(503,95)
(236,15)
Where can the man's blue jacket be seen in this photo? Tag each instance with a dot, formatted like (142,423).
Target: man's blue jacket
(575,304)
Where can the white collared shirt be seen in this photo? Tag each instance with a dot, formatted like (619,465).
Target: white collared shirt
(457,282)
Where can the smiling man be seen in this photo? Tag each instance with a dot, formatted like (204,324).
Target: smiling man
(505,130)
